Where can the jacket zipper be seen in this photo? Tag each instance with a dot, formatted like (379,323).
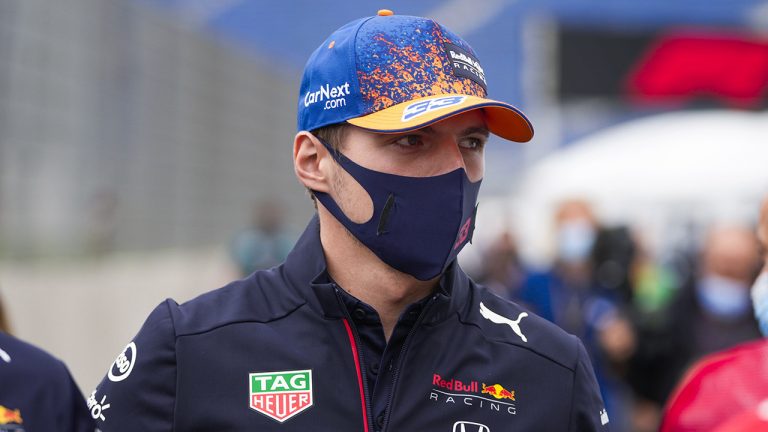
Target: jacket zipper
(359,362)
(401,358)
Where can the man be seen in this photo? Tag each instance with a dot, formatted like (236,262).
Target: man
(728,390)
(369,325)
(37,392)
(571,295)
(713,312)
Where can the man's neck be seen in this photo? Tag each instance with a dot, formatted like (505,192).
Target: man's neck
(361,273)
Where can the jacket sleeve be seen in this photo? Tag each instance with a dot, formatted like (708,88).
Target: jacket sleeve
(138,392)
(587,409)
(76,415)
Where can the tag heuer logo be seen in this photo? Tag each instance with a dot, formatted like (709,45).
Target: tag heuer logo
(280,395)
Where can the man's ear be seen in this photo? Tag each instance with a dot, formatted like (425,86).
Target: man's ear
(311,162)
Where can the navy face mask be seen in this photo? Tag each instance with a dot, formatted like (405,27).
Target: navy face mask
(419,224)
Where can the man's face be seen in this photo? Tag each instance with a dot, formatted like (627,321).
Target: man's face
(456,142)
(762,233)
(731,252)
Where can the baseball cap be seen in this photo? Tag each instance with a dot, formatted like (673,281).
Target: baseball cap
(395,73)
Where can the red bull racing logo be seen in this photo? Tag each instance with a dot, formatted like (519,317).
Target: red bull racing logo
(493,397)
(498,392)
(280,395)
(9,416)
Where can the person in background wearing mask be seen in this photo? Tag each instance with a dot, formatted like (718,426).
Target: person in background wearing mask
(37,392)
(559,293)
(728,391)
(266,242)
(370,324)
(714,311)
(569,295)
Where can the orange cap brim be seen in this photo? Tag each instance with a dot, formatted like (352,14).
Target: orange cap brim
(502,118)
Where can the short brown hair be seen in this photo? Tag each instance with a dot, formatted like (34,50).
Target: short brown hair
(334,135)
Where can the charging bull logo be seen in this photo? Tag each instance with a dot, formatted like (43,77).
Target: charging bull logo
(9,416)
(498,392)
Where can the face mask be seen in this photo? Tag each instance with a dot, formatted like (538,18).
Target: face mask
(760,301)
(419,224)
(723,297)
(575,240)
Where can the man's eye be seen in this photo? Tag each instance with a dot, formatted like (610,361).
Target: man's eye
(409,141)
(472,143)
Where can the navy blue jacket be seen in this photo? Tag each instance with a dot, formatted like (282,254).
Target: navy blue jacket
(37,392)
(281,351)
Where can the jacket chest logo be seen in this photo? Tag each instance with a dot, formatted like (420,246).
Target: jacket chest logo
(280,395)
(498,319)
(465,426)
(473,395)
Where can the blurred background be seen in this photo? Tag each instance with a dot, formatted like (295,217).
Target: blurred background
(145,153)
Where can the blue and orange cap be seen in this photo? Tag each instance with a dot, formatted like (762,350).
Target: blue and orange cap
(395,73)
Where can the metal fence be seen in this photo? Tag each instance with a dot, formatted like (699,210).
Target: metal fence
(122,129)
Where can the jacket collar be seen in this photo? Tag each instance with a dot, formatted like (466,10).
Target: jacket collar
(305,271)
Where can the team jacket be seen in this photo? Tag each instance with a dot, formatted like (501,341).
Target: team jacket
(280,351)
(37,392)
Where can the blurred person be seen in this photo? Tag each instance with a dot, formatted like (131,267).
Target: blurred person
(659,354)
(502,269)
(713,311)
(37,392)
(370,324)
(583,294)
(266,242)
(727,391)
(559,293)
(102,223)
(5,325)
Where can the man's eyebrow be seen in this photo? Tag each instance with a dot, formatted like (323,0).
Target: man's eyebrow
(427,130)
(476,130)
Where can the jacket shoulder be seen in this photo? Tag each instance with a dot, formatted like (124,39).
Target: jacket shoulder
(27,358)
(504,321)
(264,296)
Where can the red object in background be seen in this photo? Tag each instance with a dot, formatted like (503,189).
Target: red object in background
(718,388)
(685,66)
(754,420)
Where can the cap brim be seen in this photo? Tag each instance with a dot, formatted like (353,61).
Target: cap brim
(502,118)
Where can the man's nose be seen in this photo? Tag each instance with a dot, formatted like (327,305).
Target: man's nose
(450,158)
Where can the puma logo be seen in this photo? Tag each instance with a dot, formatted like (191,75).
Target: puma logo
(498,319)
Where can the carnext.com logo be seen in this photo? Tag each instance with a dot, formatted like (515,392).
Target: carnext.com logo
(465,426)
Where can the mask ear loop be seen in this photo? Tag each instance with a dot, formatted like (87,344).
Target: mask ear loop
(386,211)
(334,208)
